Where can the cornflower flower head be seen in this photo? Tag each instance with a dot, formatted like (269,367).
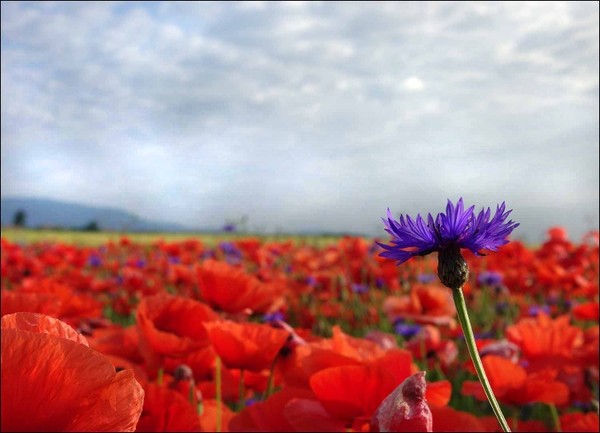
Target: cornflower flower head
(449,232)
(406,330)
(359,288)
(229,227)
(490,278)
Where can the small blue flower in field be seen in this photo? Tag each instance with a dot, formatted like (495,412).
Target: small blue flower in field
(273,317)
(490,278)
(95,261)
(359,288)
(311,281)
(534,310)
(229,228)
(449,232)
(425,278)
(406,330)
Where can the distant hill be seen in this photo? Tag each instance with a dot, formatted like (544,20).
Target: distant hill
(59,214)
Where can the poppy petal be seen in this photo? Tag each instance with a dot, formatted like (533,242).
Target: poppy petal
(33,322)
(52,383)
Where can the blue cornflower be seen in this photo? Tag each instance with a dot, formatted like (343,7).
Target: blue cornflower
(425,278)
(490,278)
(406,330)
(449,232)
(229,227)
(311,281)
(95,260)
(233,255)
(273,317)
(534,310)
(359,288)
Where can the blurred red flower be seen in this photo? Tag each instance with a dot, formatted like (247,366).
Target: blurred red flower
(167,410)
(230,289)
(247,346)
(513,384)
(269,415)
(424,304)
(546,342)
(171,326)
(52,380)
(579,422)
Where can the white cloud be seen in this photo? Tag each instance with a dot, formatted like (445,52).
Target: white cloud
(282,109)
(414,84)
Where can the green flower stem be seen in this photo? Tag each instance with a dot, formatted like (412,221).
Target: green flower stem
(271,382)
(463,317)
(555,418)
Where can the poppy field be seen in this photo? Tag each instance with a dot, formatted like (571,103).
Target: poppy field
(251,334)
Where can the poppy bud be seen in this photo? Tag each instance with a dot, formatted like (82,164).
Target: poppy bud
(405,409)
(452,267)
(183,372)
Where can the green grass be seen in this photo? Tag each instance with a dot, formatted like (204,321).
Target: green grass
(29,236)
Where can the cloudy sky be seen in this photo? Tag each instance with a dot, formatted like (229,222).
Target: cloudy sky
(301,115)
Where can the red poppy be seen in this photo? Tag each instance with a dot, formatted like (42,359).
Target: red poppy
(357,390)
(579,422)
(447,419)
(181,276)
(117,341)
(232,290)
(586,311)
(588,353)
(52,381)
(355,348)
(14,301)
(247,346)
(51,296)
(544,341)
(171,325)
(124,364)
(269,415)
(425,304)
(340,349)
(512,384)
(490,424)
(251,248)
(167,410)
(230,384)
(427,342)
(208,419)
(309,415)
(438,393)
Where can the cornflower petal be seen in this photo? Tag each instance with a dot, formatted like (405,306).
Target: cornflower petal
(489,234)
(409,237)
